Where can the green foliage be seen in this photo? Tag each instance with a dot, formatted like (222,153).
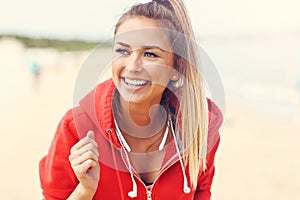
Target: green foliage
(60,45)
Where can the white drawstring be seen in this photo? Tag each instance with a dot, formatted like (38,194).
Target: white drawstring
(125,147)
(132,193)
(121,138)
(162,144)
(186,188)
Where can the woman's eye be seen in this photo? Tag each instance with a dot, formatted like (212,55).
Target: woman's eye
(122,51)
(150,55)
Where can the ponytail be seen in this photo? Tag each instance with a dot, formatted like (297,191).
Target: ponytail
(193,109)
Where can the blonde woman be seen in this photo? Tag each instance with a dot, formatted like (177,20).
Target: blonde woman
(149,132)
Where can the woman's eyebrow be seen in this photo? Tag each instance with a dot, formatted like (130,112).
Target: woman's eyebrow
(123,44)
(144,47)
(153,47)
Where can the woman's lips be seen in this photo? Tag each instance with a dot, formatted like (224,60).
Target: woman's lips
(135,83)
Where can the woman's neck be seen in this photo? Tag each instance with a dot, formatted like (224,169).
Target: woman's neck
(140,120)
(140,114)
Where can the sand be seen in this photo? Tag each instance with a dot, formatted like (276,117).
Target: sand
(257,158)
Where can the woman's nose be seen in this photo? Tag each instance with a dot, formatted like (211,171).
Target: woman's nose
(134,62)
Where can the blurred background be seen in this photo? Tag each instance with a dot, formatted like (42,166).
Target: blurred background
(255,46)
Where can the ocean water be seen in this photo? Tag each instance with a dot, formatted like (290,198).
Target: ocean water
(259,72)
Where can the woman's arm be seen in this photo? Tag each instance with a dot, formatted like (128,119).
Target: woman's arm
(206,177)
(80,194)
(59,178)
(84,161)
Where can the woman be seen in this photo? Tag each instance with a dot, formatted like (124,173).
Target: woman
(147,133)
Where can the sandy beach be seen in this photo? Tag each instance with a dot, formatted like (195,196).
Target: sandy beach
(257,158)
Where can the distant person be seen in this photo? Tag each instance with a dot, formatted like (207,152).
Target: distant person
(35,70)
(149,132)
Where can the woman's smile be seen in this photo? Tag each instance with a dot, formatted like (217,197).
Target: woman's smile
(136,83)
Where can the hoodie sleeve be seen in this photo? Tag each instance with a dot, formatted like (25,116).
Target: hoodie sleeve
(206,177)
(56,174)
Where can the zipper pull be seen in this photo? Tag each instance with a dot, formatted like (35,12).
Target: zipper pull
(149,193)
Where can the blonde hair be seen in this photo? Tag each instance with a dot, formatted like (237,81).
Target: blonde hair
(192,112)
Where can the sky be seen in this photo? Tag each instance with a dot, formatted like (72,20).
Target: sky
(95,19)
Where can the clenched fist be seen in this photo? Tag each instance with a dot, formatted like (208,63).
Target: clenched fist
(84,161)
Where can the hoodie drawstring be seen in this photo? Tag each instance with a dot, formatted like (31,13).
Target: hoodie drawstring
(108,132)
(125,147)
(132,193)
(186,188)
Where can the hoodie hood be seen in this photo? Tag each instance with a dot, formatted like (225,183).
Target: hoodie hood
(98,106)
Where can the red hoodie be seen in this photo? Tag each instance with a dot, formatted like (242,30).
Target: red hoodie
(95,113)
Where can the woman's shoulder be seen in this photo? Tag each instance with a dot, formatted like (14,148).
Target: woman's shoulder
(215,115)
(214,126)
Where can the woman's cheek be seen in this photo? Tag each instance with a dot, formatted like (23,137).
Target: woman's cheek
(117,66)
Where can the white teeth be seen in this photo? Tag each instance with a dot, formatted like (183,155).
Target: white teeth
(135,82)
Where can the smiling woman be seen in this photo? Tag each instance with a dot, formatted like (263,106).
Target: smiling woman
(149,128)
(138,63)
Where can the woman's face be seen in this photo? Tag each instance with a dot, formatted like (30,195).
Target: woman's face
(142,61)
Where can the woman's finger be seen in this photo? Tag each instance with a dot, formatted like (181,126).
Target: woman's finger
(81,170)
(90,134)
(78,160)
(88,139)
(87,147)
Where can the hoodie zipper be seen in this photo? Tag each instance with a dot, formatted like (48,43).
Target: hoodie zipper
(149,193)
(163,171)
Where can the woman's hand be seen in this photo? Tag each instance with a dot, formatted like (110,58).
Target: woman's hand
(84,161)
